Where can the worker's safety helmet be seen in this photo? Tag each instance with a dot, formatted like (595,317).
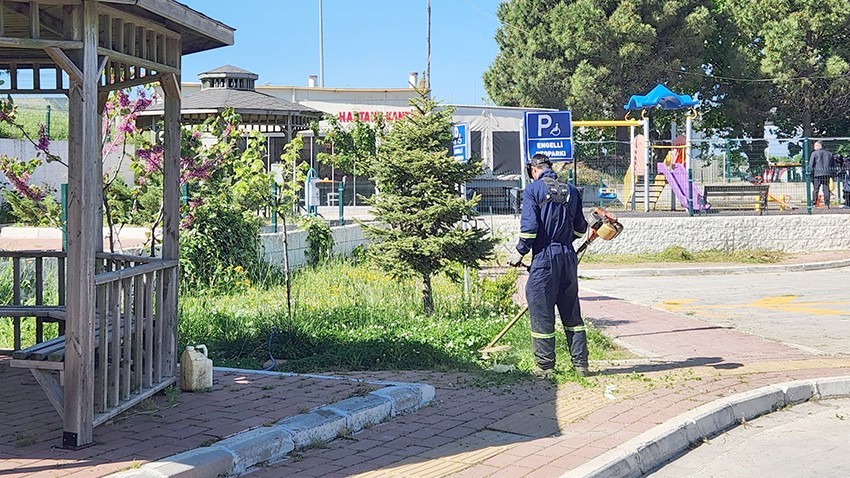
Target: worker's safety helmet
(537,161)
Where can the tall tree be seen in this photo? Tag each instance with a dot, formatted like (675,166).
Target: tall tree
(419,207)
(737,98)
(804,47)
(591,55)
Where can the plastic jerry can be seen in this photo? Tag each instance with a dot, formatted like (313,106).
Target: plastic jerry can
(196,370)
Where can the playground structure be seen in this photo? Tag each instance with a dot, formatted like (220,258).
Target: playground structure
(675,171)
(678,174)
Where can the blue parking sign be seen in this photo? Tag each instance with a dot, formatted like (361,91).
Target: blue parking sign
(549,133)
(460,142)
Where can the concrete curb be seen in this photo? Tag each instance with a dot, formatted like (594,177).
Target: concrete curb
(692,271)
(238,453)
(646,452)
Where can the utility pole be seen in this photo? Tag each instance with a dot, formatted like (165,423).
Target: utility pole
(428,62)
(322,49)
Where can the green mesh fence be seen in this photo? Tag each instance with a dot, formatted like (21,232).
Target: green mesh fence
(602,168)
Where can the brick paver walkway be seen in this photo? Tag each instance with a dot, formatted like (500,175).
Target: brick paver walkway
(536,429)
(31,430)
(472,429)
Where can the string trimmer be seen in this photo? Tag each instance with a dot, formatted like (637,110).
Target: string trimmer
(604,225)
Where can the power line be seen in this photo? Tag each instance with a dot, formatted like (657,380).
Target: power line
(496,17)
(756,80)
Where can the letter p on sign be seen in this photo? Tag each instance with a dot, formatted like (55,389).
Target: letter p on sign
(543,123)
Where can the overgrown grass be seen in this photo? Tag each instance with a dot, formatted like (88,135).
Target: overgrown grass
(347,316)
(31,119)
(27,298)
(353,317)
(680,254)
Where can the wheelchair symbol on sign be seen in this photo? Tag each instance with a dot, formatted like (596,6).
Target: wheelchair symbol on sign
(457,137)
(556,130)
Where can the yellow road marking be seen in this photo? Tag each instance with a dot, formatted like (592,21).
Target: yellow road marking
(782,303)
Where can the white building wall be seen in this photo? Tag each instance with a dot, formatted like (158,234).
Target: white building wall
(394,103)
(54,174)
(788,233)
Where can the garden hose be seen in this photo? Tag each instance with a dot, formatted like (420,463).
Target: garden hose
(273,363)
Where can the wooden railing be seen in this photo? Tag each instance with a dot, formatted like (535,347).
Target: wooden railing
(134,329)
(135,334)
(32,273)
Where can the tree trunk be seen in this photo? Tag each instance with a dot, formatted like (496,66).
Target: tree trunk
(427,295)
(622,134)
(287,276)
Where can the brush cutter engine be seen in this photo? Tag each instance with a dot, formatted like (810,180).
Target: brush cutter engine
(604,225)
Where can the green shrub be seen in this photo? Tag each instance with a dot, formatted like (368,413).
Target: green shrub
(320,240)
(7,216)
(45,212)
(221,250)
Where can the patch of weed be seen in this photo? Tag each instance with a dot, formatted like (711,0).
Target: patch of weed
(25,439)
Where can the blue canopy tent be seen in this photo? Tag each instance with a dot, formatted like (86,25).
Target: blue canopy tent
(662,97)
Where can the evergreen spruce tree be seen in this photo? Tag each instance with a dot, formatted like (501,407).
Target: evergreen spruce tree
(418,206)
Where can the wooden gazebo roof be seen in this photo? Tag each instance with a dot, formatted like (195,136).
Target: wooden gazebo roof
(229,86)
(136,41)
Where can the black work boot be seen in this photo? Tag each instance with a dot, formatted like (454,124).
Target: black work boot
(545,373)
(582,370)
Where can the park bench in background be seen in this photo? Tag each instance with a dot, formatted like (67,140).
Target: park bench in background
(737,196)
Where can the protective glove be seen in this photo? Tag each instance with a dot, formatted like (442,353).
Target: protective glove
(515,259)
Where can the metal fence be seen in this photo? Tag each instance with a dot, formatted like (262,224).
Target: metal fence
(781,165)
(602,170)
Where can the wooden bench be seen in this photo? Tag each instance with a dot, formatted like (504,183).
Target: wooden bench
(758,192)
(52,350)
(41,313)
(43,359)
(41,354)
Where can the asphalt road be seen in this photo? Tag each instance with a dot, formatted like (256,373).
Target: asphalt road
(807,310)
(806,440)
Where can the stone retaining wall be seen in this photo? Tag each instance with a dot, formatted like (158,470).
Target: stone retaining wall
(346,239)
(789,233)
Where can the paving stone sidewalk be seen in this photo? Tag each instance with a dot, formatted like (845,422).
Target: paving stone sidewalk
(160,427)
(537,429)
(473,428)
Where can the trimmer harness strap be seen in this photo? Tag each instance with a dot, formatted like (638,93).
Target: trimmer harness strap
(557,191)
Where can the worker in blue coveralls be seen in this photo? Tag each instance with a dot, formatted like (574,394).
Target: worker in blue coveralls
(552,219)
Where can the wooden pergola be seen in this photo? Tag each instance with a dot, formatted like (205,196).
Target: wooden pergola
(118,312)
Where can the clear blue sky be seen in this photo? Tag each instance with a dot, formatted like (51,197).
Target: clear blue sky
(367,43)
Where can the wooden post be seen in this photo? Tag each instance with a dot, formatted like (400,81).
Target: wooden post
(171,209)
(83,186)
(39,298)
(16,299)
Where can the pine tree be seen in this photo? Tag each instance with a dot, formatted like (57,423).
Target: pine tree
(418,207)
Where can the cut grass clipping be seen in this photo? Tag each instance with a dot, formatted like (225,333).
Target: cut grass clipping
(353,317)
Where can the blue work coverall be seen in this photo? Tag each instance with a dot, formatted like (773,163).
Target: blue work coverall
(547,230)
